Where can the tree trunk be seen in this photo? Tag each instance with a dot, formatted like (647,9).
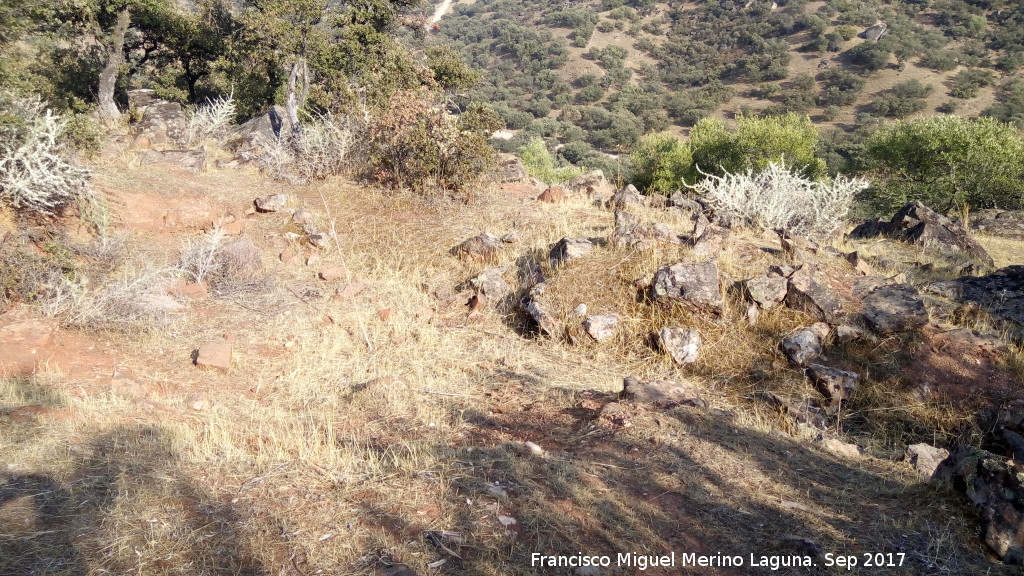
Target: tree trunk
(295,101)
(108,77)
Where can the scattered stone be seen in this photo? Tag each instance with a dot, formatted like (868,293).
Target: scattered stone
(302,216)
(693,285)
(199,402)
(805,411)
(996,487)
(894,308)
(601,327)
(480,248)
(860,264)
(510,238)
(568,249)
(683,344)
(287,256)
(917,224)
(349,291)
(840,448)
(628,196)
(547,322)
(808,295)
(926,458)
(491,283)
(317,240)
(215,355)
(847,333)
(332,273)
(552,195)
(192,160)
(834,384)
(767,291)
(630,232)
(580,310)
(804,345)
(271,203)
(753,314)
(386,314)
(660,392)
(1002,223)
(711,241)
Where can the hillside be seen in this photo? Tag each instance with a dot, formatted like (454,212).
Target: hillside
(599,74)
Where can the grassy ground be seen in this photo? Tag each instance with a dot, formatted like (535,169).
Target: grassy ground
(345,438)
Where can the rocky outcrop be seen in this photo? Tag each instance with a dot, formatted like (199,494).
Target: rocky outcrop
(693,285)
(996,487)
(1002,223)
(917,224)
(894,308)
(1000,294)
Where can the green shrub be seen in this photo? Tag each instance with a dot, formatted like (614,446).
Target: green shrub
(755,142)
(945,161)
(967,83)
(417,144)
(541,164)
(661,162)
(905,99)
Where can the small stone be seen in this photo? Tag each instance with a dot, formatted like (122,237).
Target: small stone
(552,195)
(805,345)
(386,314)
(767,291)
(349,291)
(659,392)
(568,249)
(199,402)
(215,355)
(683,344)
(302,216)
(491,283)
(601,327)
(695,285)
(894,308)
(580,310)
(332,273)
(317,240)
(840,448)
(480,248)
(510,238)
(834,384)
(544,319)
(271,203)
(287,256)
(926,458)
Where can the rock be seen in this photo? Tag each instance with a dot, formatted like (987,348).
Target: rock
(629,232)
(199,402)
(317,240)
(601,327)
(161,122)
(397,570)
(25,343)
(1002,223)
(683,344)
(510,169)
(875,32)
(271,203)
(860,264)
(808,295)
(996,487)
(628,196)
(191,160)
(767,291)
(926,458)
(919,225)
(711,241)
(190,290)
(481,248)
(840,448)
(593,184)
(552,195)
(580,310)
(568,249)
(694,285)
(215,355)
(491,283)
(302,216)
(1000,294)
(255,140)
(805,344)
(846,333)
(659,392)
(753,314)
(332,273)
(349,291)
(510,238)
(834,384)
(547,322)
(805,411)
(894,308)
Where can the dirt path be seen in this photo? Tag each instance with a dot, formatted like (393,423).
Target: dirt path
(442,9)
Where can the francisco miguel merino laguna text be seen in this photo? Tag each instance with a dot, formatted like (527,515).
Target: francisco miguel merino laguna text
(643,561)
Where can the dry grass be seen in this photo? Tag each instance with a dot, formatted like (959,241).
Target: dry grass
(342,435)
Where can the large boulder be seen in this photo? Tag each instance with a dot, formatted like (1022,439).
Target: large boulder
(694,285)
(917,224)
(253,140)
(894,308)
(161,122)
(996,487)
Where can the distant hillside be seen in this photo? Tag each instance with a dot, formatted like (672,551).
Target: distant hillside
(596,75)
